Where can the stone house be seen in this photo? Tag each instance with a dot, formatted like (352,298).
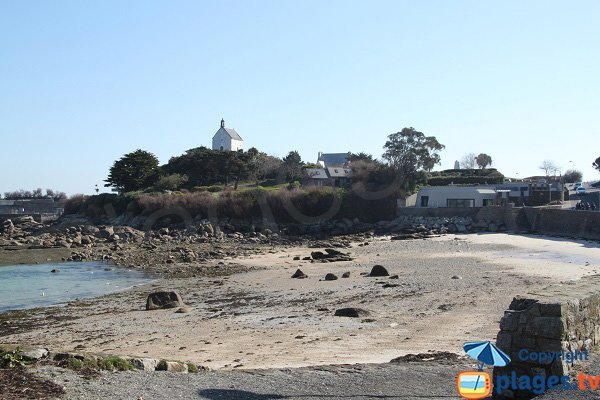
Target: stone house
(326,160)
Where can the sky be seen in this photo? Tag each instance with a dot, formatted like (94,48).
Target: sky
(83,83)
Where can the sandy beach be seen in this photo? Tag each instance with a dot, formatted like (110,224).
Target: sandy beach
(449,290)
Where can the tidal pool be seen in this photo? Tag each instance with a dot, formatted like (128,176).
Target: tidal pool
(29,286)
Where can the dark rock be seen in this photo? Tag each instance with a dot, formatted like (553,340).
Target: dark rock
(105,232)
(161,300)
(379,270)
(55,270)
(352,312)
(334,252)
(346,274)
(331,277)
(394,277)
(299,274)
(297,258)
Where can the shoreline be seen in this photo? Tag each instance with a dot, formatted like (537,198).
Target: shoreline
(277,319)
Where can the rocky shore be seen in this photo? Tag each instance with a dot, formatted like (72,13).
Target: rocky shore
(183,250)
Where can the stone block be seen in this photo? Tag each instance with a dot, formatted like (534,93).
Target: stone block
(509,322)
(544,344)
(548,327)
(504,341)
(551,310)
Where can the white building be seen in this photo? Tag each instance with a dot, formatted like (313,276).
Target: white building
(227,139)
(456,196)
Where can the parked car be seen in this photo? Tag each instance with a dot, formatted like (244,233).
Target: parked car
(580,190)
(577,184)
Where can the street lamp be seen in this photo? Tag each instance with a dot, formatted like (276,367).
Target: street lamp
(572,165)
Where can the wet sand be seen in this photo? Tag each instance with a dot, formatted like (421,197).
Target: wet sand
(450,290)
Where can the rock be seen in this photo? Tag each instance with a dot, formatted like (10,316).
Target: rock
(144,364)
(461,228)
(35,354)
(352,312)
(105,232)
(334,252)
(55,270)
(394,277)
(8,226)
(331,277)
(172,366)
(63,243)
(299,274)
(184,310)
(456,277)
(379,270)
(163,231)
(161,300)
(297,258)
(23,220)
(346,274)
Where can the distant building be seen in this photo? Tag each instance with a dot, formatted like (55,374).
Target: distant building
(456,165)
(227,139)
(456,197)
(333,159)
(30,206)
(331,176)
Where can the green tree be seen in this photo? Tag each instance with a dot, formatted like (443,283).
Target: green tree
(572,175)
(292,165)
(410,151)
(170,182)
(134,171)
(360,157)
(483,160)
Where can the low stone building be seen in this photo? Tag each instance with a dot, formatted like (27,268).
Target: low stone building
(456,197)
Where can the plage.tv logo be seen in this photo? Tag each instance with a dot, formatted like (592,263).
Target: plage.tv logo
(474,384)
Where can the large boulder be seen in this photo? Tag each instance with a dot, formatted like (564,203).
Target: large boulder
(144,364)
(162,300)
(352,312)
(299,274)
(105,232)
(379,270)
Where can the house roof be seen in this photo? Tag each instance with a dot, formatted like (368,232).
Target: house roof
(333,159)
(339,172)
(316,173)
(233,134)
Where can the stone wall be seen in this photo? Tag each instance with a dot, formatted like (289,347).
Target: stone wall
(570,223)
(559,318)
(438,212)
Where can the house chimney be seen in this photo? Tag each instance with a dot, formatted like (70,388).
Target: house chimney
(319,155)
(222,123)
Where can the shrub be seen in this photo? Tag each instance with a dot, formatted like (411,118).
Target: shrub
(114,364)
(74,204)
(74,363)
(12,359)
(192,368)
(170,182)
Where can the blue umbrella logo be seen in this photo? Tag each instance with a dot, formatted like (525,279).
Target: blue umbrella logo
(486,353)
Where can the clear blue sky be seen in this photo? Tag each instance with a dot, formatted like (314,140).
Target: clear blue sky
(84,82)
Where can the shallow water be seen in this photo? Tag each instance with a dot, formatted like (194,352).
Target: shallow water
(29,286)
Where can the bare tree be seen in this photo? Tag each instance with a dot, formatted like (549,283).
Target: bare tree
(549,167)
(468,161)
